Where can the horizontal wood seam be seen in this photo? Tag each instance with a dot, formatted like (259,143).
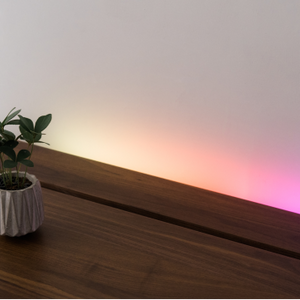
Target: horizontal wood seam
(173,221)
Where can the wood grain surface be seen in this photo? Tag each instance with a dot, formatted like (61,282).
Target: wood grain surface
(202,210)
(88,250)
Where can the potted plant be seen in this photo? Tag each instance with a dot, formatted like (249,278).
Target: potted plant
(21,204)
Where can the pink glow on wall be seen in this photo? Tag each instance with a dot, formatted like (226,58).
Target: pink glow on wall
(207,165)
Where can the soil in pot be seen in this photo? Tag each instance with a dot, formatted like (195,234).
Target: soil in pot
(15,185)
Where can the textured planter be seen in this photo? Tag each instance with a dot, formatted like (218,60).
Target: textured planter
(21,211)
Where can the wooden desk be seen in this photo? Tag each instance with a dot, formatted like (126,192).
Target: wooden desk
(114,233)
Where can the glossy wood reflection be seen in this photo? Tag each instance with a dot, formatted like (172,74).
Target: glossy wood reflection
(86,250)
(209,210)
(115,233)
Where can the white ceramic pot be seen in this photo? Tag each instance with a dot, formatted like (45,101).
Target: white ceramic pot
(21,211)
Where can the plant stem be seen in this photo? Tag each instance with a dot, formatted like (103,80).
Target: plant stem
(3,170)
(1,160)
(10,176)
(26,166)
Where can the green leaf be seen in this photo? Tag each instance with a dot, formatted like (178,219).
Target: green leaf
(37,137)
(8,164)
(26,123)
(27,136)
(10,116)
(42,123)
(11,143)
(22,155)
(13,122)
(27,163)
(8,135)
(2,148)
(42,142)
(9,152)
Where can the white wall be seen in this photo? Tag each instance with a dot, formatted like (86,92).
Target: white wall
(204,92)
